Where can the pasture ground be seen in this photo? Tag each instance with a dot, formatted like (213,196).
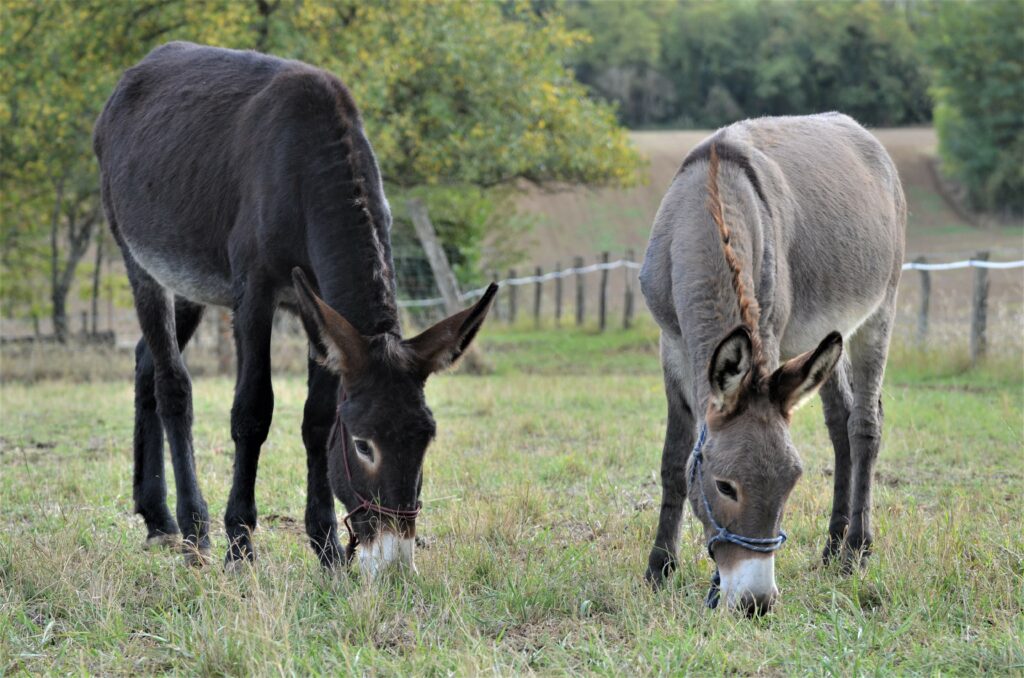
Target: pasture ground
(541,496)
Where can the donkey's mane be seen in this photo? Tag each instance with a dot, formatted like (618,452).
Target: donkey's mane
(750,311)
(351,124)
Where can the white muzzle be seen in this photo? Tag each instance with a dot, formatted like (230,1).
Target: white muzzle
(386,550)
(751,579)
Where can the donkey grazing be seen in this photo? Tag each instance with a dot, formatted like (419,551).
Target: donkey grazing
(777,237)
(243,180)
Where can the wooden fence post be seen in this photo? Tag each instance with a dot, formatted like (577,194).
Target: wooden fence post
(627,303)
(536,298)
(926,296)
(578,263)
(436,257)
(225,341)
(512,298)
(602,300)
(496,308)
(979,310)
(558,296)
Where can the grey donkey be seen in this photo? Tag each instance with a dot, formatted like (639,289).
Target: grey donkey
(777,238)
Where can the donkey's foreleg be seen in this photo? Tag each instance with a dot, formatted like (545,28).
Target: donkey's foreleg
(868,354)
(317,420)
(679,438)
(251,414)
(837,401)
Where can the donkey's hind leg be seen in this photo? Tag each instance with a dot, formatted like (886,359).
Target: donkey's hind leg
(837,401)
(173,389)
(869,349)
(679,439)
(150,484)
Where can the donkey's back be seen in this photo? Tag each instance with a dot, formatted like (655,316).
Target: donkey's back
(820,202)
(200,148)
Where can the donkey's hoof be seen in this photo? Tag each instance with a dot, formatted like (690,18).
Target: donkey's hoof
(832,551)
(660,567)
(160,540)
(855,554)
(237,566)
(196,557)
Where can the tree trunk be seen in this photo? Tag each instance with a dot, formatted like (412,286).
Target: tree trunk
(60,318)
(78,237)
(472,360)
(96,285)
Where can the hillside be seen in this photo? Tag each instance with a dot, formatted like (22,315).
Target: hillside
(585,221)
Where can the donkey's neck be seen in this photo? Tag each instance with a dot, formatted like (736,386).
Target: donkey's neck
(348,224)
(709,308)
(360,289)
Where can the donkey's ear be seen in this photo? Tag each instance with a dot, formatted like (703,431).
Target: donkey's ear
(800,378)
(730,366)
(439,346)
(336,344)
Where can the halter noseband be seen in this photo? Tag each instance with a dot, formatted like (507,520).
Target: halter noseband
(759,544)
(364,503)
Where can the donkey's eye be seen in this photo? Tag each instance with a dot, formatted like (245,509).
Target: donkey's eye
(726,489)
(363,447)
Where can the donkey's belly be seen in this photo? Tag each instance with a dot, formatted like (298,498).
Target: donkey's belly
(195,276)
(805,333)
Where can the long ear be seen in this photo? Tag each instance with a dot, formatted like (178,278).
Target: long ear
(800,378)
(439,346)
(337,345)
(729,368)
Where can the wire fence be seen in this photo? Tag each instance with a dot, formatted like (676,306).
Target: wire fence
(940,305)
(940,311)
(625,263)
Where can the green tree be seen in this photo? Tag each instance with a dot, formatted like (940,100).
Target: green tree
(463,101)
(709,62)
(977,54)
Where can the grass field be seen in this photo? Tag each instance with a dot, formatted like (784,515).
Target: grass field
(541,498)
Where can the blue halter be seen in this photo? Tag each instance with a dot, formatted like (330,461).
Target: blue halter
(759,544)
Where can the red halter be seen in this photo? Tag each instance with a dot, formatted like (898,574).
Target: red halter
(364,503)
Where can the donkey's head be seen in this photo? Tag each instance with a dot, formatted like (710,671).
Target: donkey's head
(377,446)
(744,472)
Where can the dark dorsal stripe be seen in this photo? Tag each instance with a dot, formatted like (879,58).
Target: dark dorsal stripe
(727,152)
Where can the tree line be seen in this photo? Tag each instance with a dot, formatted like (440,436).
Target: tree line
(706,63)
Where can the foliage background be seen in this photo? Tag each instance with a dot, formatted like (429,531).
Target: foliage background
(468,102)
(462,100)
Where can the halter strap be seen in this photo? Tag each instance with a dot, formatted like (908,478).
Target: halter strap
(759,544)
(364,503)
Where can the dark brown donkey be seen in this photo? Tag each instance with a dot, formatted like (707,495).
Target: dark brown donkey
(222,173)
(778,237)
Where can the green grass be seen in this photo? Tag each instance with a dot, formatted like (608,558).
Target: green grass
(541,498)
